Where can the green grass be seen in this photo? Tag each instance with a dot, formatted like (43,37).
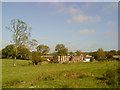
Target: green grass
(71,75)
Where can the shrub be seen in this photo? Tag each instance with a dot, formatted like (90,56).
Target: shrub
(92,59)
(104,59)
(111,77)
(36,58)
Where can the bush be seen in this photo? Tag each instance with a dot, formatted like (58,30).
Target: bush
(111,77)
(104,59)
(92,59)
(36,58)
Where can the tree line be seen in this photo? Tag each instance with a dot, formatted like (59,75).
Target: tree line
(24,53)
(25,48)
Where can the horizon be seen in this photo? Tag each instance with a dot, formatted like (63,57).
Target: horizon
(77,25)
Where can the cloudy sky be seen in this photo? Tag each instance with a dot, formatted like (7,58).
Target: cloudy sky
(80,26)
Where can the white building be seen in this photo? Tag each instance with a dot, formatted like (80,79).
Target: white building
(87,58)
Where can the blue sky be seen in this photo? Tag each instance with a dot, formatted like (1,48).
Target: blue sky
(0,14)
(80,26)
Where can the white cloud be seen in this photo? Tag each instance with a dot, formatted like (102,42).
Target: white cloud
(61,8)
(76,14)
(83,18)
(86,32)
(111,23)
(74,10)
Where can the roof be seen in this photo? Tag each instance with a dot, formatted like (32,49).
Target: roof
(88,56)
(116,56)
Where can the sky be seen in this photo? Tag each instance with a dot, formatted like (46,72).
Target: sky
(84,26)
(0,25)
(60,0)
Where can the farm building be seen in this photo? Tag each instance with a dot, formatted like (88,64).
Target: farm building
(117,57)
(68,59)
(87,58)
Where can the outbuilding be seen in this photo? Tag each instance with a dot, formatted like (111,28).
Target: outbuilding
(87,58)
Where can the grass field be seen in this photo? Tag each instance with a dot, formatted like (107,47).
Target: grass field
(71,75)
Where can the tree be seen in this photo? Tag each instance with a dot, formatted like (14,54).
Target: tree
(111,53)
(43,49)
(71,53)
(100,54)
(78,53)
(21,34)
(118,52)
(32,44)
(23,53)
(0,54)
(61,49)
(36,58)
(8,51)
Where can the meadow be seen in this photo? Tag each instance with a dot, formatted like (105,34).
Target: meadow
(55,75)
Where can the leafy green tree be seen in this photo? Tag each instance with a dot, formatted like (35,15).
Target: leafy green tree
(100,54)
(36,57)
(78,53)
(94,54)
(118,52)
(21,34)
(71,53)
(54,53)
(23,53)
(111,53)
(1,54)
(43,49)
(8,51)
(61,49)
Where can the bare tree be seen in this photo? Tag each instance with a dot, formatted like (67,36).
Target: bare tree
(21,34)
(32,44)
